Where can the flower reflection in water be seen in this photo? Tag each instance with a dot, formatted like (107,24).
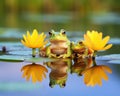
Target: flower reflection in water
(37,72)
(80,64)
(94,75)
(59,72)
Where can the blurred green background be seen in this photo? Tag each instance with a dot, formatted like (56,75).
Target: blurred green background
(18,16)
(72,15)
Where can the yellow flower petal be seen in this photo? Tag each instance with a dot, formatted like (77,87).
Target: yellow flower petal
(100,35)
(25,39)
(88,44)
(104,41)
(34,34)
(94,41)
(35,40)
(107,47)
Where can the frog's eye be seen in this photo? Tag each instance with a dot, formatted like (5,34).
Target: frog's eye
(63,32)
(50,33)
(80,42)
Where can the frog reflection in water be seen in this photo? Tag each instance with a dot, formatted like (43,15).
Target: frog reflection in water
(80,64)
(59,45)
(59,72)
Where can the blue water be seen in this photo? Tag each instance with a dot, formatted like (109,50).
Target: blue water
(12,83)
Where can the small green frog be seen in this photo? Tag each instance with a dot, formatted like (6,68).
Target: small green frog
(80,50)
(59,45)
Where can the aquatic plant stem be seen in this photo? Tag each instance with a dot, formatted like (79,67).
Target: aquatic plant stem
(94,55)
(33,52)
(94,63)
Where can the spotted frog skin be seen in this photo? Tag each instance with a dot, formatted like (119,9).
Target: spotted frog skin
(59,45)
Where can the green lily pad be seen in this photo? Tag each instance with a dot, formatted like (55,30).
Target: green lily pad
(16,58)
(39,59)
(114,61)
(21,53)
(109,57)
(10,58)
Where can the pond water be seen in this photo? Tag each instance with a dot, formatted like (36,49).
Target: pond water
(17,56)
(12,83)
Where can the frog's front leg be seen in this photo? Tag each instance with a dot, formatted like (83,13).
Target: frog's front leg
(60,56)
(52,55)
(68,54)
(48,52)
(85,53)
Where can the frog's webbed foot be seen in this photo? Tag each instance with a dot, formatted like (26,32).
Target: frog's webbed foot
(79,55)
(60,56)
(63,56)
(52,55)
(42,53)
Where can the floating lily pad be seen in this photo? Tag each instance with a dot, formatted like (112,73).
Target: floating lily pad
(109,57)
(39,59)
(115,40)
(11,58)
(16,58)
(114,61)
(21,53)
(102,58)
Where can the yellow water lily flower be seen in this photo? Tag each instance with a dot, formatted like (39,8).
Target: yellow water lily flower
(95,74)
(95,41)
(35,40)
(35,71)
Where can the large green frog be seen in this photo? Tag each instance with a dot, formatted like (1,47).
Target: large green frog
(59,45)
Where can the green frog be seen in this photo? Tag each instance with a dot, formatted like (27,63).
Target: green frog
(59,46)
(80,50)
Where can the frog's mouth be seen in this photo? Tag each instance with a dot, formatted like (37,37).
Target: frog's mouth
(57,41)
(80,51)
(59,51)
